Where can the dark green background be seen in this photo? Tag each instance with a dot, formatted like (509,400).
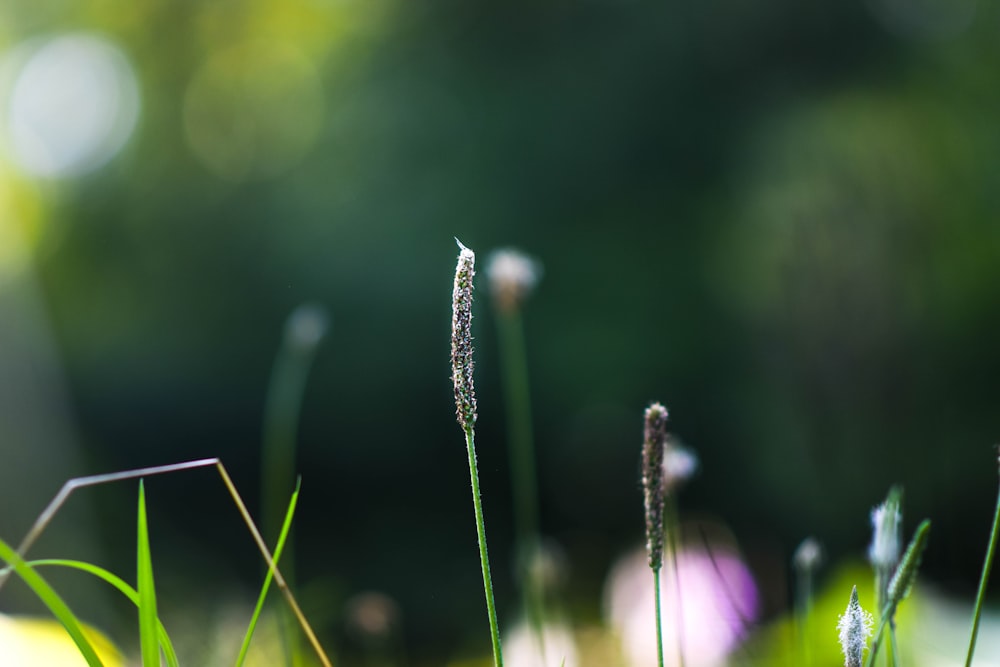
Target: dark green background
(779,218)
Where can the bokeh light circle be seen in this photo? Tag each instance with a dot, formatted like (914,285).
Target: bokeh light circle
(72,104)
(253,111)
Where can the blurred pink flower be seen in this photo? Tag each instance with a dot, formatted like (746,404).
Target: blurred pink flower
(717,602)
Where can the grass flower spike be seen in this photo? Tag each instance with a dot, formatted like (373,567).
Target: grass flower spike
(461,338)
(887,521)
(465,406)
(653,482)
(855,628)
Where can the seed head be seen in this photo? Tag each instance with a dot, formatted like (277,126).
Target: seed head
(679,464)
(306,326)
(512,276)
(653,484)
(461,338)
(855,628)
(808,555)
(886,526)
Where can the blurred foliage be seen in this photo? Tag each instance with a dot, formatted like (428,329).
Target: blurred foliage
(780,219)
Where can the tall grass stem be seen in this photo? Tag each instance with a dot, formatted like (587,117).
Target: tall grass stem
(484,558)
(983,581)
(72,485)
(659,617)
(521,446)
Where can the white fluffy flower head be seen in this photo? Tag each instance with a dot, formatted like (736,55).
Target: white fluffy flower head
(886,525)
(679,464)
(855,628)
(512,276)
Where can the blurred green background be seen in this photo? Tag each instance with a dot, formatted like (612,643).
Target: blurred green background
(778,218)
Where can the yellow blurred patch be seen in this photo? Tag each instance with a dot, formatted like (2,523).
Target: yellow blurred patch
(28,642)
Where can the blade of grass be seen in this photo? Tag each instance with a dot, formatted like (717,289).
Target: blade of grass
(146,588)
(52,600)
(72,485)
(984,579)
(117,582)
(286,526)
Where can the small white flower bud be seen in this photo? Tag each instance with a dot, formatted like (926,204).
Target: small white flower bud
(886,525)
(306,326)
(808,555)
(512,276)
(679,464)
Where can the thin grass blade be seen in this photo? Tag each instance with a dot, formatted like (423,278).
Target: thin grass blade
(285,527)
(146,587)
(126,590)
(52,600)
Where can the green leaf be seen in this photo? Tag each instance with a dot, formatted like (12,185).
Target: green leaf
(124,588)
(147,590)
(286,526)
(52,600)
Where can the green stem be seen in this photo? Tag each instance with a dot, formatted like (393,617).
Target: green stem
(659,626)
(484,559)
(805,606)
(983,580)
(877,640)
(524,481)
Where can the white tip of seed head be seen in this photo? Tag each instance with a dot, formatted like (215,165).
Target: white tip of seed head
(466,251)
(512,275)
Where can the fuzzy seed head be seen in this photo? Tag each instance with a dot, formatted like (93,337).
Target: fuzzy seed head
(906,572)
(808,555)
(461,338)
(512,276)
(887,523)
(855,628)
(679,464)
(306,326)
(653,483)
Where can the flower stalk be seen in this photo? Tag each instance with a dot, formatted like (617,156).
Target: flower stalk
(465,407)
(983,580)
(512,276)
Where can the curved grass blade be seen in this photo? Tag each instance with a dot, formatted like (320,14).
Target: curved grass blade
(72,485)
(146,587)
(52,600)
(285,527)
(117,582)
(984,578)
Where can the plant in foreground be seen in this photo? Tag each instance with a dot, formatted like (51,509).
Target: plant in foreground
(465,406)
(153,636)
(901,584)
(983,580)
(855,628)
(664,467)
(883,553)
